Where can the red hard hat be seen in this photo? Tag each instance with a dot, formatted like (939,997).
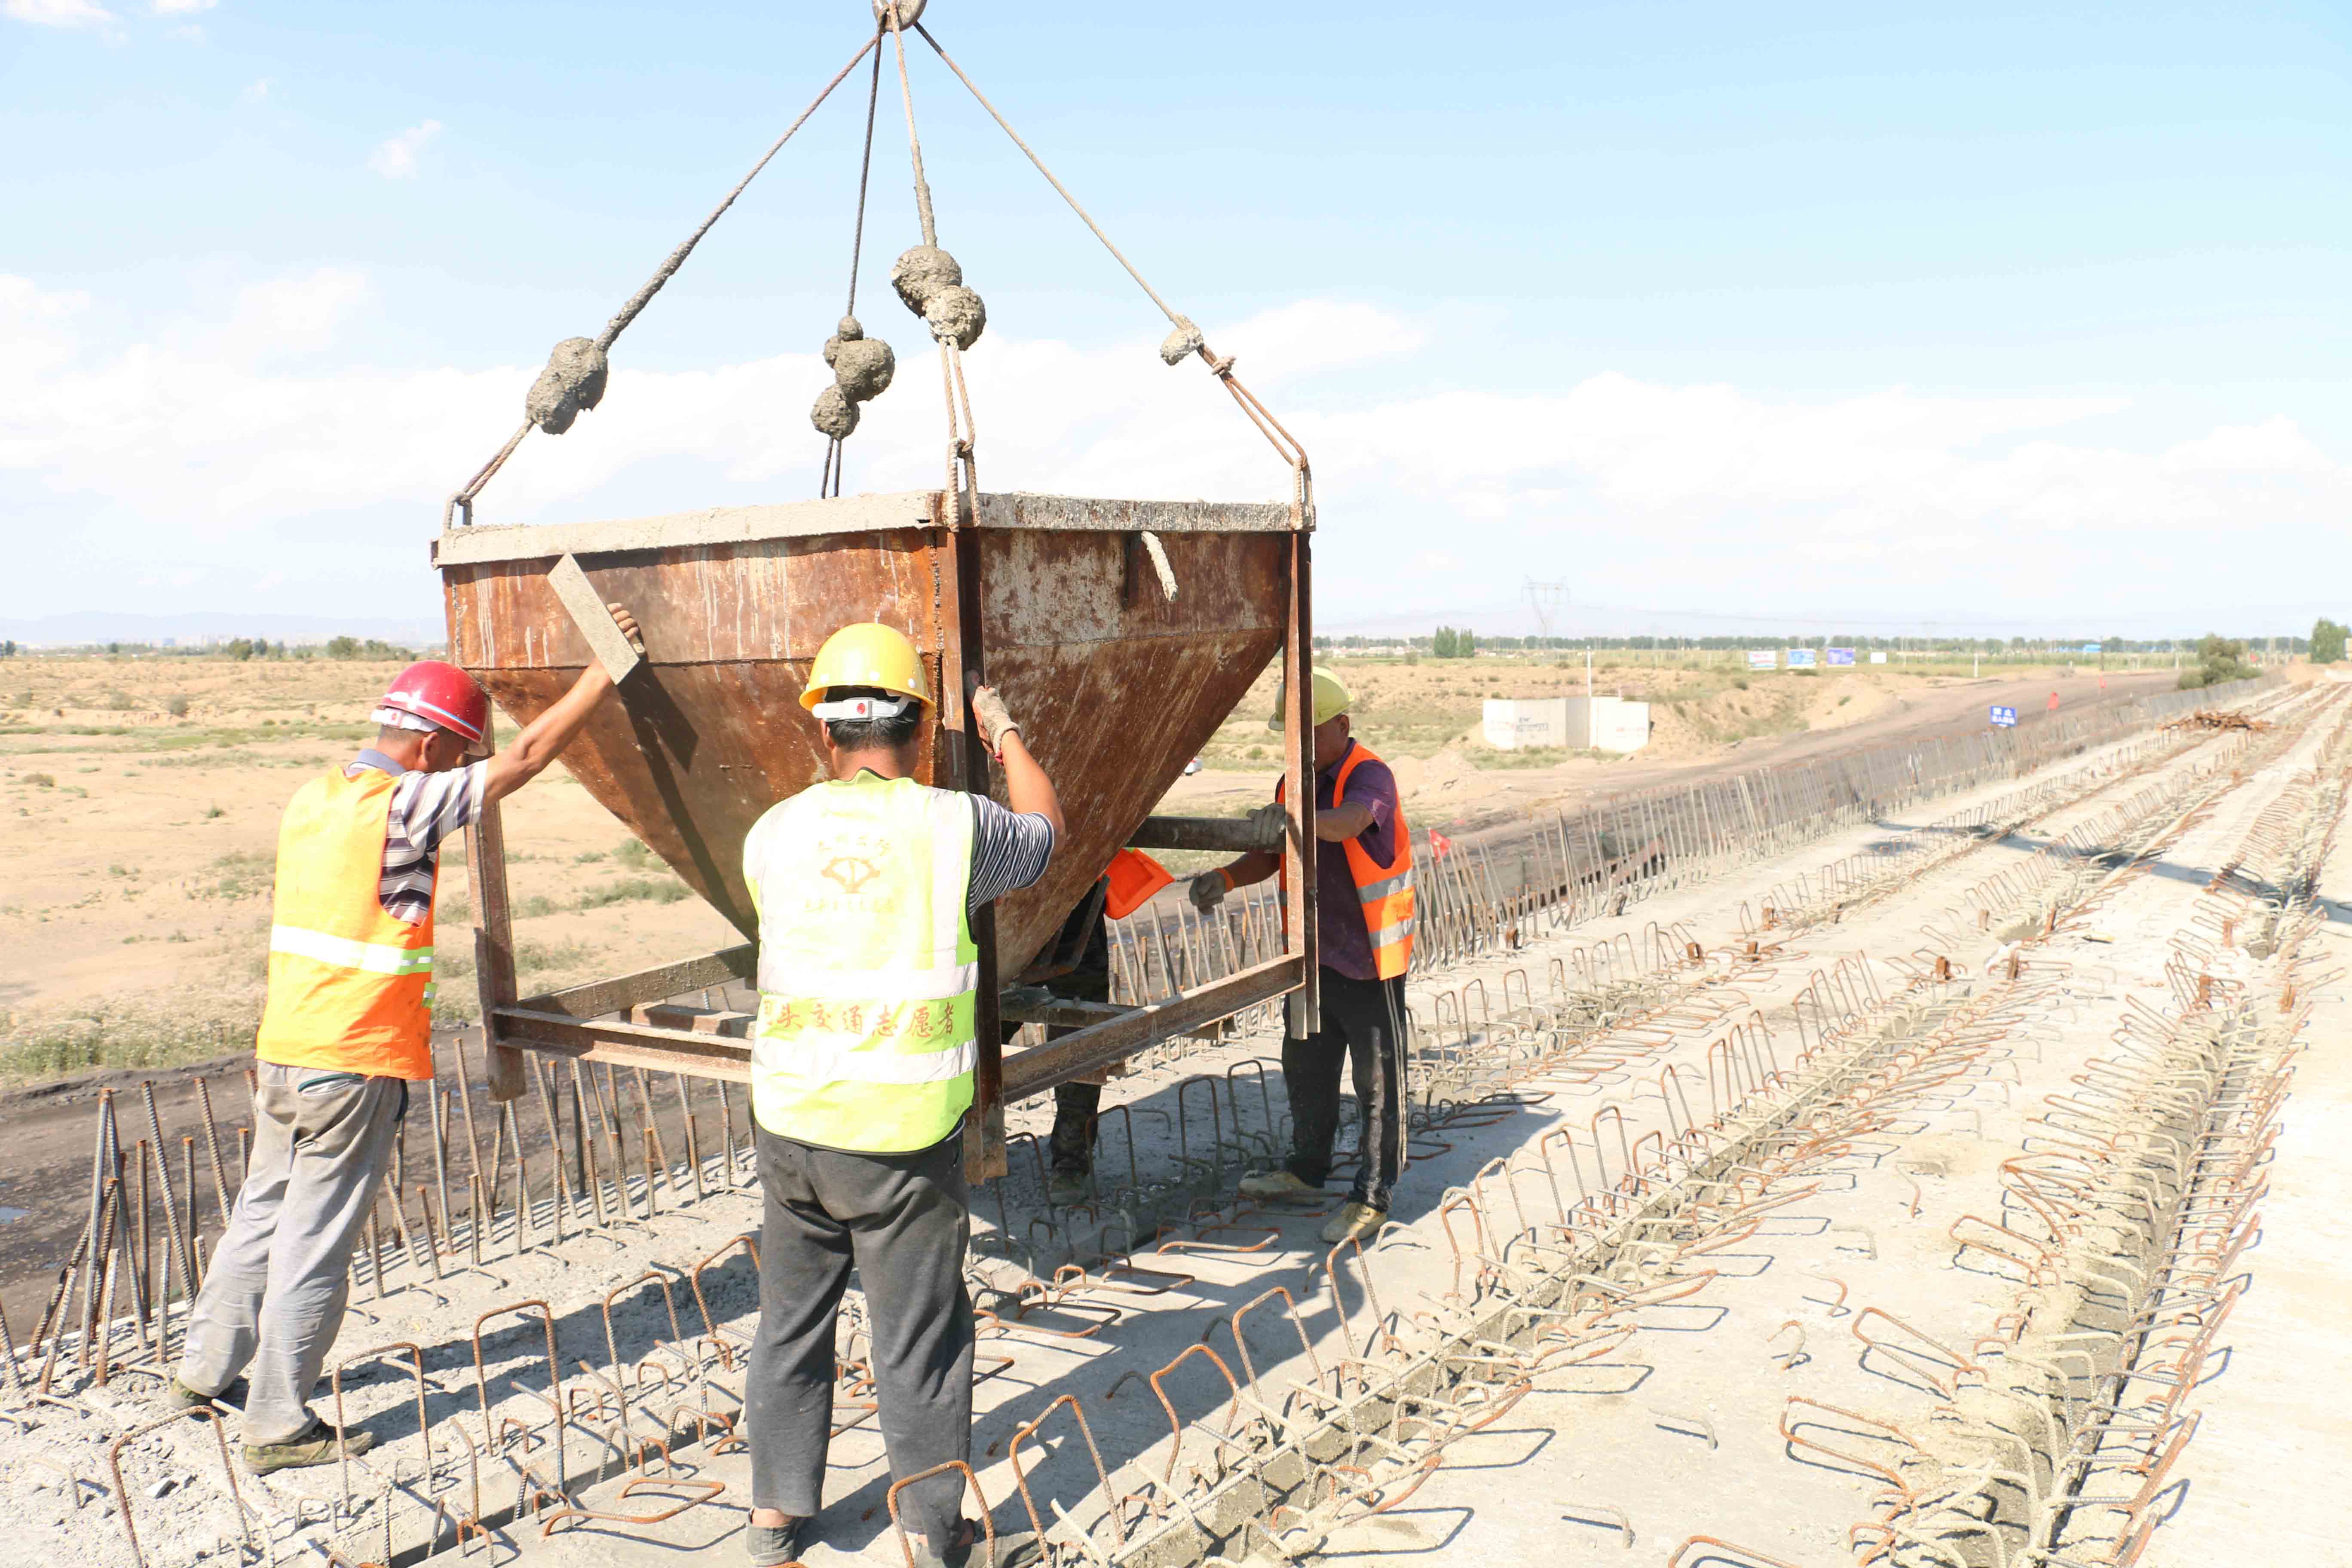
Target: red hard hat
(443,696)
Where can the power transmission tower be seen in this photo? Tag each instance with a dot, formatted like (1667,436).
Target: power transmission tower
(1547,600)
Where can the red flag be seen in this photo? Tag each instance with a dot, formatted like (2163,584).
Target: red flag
(1439,845)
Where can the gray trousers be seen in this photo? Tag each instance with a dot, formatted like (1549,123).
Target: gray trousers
(273,1299)
(902,1220)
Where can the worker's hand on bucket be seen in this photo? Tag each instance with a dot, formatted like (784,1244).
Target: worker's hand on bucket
(628,625)
(1208,890)
(996,720)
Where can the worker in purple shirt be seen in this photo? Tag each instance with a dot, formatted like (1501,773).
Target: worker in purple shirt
(1364,927)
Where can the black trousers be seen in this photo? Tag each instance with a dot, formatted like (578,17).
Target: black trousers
(1076,1105)
(903,1221)
(1363,1026)
(1075,1108)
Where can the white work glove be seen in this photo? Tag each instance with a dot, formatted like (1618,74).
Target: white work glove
(996,720)
(1272,819)
(1208,890)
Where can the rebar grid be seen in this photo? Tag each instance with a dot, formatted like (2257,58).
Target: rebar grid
(2123,1225)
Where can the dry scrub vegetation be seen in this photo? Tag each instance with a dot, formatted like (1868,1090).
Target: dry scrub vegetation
(1426,709)
(140,797)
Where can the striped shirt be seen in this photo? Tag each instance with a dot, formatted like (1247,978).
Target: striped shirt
(427,810)
(1009,851)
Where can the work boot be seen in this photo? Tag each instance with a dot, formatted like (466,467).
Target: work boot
(320,1445)
(180,1397)
(1278,1185)
(772,1545)
(1354,1221)
(1014,1549)
(1066,1187)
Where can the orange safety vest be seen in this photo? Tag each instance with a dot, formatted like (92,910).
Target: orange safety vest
(1384,888)
(1134,878)
(350,988)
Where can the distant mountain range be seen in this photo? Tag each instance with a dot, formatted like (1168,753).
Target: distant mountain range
(86,626)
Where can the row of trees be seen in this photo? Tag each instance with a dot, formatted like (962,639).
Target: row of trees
(2324,644)
(246,648)
(2220,660)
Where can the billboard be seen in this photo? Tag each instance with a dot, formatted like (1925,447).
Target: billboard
(1841,656)
(1878,656)
(2090,647)
(1763,658)
(1802,659)
(2005,718)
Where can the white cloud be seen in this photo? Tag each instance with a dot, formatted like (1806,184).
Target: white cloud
(56,12)
(256,94)
(397,159)
(2275,446)
(292,315)
(226,438)
(182,7)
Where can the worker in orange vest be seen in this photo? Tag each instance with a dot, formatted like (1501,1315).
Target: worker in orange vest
(1364,912)
(346,1028)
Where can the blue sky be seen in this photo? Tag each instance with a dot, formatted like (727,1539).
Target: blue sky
(1719,309)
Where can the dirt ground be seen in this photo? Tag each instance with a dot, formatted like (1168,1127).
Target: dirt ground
(1424,720)
(1671,1431)
(141,845)
(139,803)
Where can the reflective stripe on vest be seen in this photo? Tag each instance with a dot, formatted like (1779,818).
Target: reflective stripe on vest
(351,987)
(376,957)
(868,972)
(1383,890)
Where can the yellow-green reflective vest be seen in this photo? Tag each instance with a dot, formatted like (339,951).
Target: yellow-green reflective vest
(868,968)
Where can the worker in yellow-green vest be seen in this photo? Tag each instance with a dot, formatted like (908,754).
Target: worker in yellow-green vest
(861,1073)
(346,1028)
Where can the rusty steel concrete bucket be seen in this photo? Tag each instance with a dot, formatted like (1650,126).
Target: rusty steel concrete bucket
(1116,684)
(1122,634)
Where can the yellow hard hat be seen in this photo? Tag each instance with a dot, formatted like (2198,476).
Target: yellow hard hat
(868,654)
(1331,699)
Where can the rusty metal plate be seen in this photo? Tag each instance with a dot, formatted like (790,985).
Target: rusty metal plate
(1117,684)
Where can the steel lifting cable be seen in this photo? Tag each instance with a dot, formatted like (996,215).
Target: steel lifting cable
(829,480)
(963,438)
(1284,443)
(962,430)
(463,501)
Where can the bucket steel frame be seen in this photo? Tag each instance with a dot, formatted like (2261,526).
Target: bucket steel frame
(590,1021)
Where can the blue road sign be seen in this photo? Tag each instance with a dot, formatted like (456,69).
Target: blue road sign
(1841,656)
(2005,717)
